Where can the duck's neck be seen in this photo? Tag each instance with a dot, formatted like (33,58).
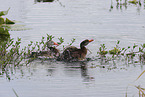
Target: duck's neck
(84,49)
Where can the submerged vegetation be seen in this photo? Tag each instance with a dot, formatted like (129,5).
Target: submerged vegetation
(3,22)
(125,3)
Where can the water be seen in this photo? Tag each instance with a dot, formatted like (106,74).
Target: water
(80,20)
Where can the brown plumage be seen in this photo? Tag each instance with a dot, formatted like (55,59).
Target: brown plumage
(52,52)
(72,53)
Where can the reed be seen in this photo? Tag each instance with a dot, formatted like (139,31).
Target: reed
(15,92)
(120,4)
(141,90)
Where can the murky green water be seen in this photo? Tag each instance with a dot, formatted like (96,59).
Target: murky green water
(79,19)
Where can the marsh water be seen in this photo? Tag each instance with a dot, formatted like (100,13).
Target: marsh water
(105,21)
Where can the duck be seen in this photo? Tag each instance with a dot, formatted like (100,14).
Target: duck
(52,52)
(73,53)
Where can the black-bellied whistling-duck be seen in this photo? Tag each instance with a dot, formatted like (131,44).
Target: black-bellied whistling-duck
(51,52)
(72,53)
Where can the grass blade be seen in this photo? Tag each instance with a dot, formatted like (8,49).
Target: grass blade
(15,92)
(140,75)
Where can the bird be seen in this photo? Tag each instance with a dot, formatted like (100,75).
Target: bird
(51,52)
(73,53)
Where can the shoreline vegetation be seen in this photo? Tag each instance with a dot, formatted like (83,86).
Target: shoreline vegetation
(123,4)
(11,53)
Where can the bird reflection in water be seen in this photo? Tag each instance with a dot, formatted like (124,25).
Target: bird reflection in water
(79,67)
(84,72)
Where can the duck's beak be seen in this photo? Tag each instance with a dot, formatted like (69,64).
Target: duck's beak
(55,43)
(91,40)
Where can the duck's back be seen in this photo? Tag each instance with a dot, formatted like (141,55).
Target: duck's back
(70,53)
(52,53)
(70,49)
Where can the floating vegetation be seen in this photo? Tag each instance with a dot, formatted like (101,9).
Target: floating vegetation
(4,31)
(124,3)
(5,21)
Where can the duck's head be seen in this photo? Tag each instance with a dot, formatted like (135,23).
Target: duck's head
(85,42)
(51,43)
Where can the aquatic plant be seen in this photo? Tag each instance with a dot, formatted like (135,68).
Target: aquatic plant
(5,21)
(61,40)
(102,50)
(1,20)
(116,50)
(2,13)
(127,54)
(141,90)
(133,1)
(124,3)
(4,31)
(131,52)
(11,53)
(72,41)
(34,48)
